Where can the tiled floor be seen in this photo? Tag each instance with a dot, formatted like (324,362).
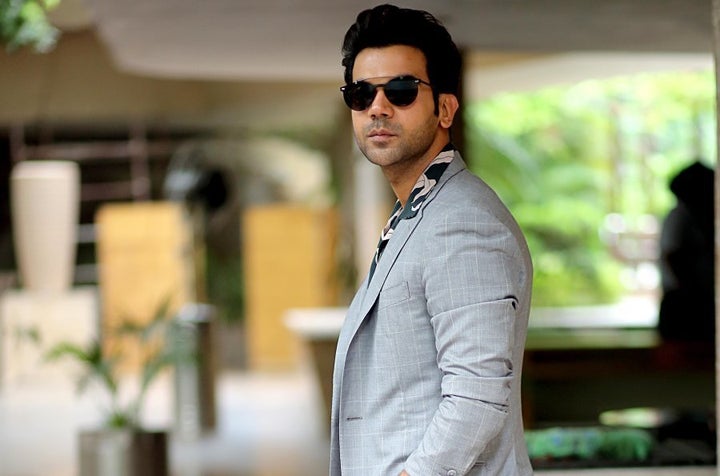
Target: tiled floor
(269,424)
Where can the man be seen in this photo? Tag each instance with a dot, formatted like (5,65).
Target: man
(687,258)
(427,370)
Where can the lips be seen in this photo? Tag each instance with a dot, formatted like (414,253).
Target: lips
(380,133)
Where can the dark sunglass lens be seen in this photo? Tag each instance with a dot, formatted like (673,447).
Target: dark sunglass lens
(401,92)
(359,96)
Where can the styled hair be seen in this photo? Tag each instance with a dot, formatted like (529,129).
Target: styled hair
(388,25)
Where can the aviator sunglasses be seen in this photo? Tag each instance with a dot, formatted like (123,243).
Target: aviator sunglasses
(400,91)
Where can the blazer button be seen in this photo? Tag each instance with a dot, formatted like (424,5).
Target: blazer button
(452,472)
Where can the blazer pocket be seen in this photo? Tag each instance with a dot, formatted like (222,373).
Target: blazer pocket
(393,295)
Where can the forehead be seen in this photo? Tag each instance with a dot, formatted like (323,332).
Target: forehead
(390,61)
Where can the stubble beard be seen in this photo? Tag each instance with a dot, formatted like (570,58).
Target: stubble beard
(404,148)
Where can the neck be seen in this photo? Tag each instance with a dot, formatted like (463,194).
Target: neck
(403,176)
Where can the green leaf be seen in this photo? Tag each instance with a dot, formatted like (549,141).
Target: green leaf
(25,23)
(91,358)
(120,419)
(156,326)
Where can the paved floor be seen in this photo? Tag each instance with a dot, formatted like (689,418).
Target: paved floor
(269,424)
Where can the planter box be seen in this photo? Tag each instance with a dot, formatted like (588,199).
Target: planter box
(123,453)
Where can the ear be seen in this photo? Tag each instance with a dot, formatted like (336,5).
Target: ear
(447,107)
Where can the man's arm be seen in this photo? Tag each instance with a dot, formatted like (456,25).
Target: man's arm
(473,282)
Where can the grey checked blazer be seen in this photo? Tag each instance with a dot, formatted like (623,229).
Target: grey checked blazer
(428,363)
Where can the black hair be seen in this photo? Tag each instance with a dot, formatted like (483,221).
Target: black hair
(388,25)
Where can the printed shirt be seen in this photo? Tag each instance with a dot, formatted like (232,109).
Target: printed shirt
(420,191)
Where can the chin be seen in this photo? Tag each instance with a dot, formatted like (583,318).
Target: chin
(382,156)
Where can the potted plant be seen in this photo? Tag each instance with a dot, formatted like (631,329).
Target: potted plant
(121,446)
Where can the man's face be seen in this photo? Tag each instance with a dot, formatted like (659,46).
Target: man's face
(387,134)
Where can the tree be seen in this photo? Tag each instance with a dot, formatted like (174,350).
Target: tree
(25,23)
(565,159)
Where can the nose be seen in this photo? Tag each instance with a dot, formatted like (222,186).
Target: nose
(380,106)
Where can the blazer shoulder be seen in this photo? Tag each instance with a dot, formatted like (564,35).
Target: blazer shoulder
(465,189)
(465,195)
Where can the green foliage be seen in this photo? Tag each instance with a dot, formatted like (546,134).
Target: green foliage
(225,285)
(91,357)
(564,158)
(573,444)
(104,368)
(28,333)
(25,23)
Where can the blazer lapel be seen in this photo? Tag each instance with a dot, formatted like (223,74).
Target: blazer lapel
(402,233)
(387,260)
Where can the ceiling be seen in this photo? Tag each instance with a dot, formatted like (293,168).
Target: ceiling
(300,39)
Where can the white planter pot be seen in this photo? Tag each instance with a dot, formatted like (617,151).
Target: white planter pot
(44,198)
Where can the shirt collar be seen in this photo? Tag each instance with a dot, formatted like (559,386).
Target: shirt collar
(426,182)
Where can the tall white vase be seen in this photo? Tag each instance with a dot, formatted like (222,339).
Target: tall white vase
(44,198)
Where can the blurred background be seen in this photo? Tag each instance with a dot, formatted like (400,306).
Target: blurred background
(184,216)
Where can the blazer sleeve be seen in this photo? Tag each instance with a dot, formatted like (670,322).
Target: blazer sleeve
(474,277)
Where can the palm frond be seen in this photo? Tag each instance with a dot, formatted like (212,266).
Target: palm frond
(145,331)
(91,358)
